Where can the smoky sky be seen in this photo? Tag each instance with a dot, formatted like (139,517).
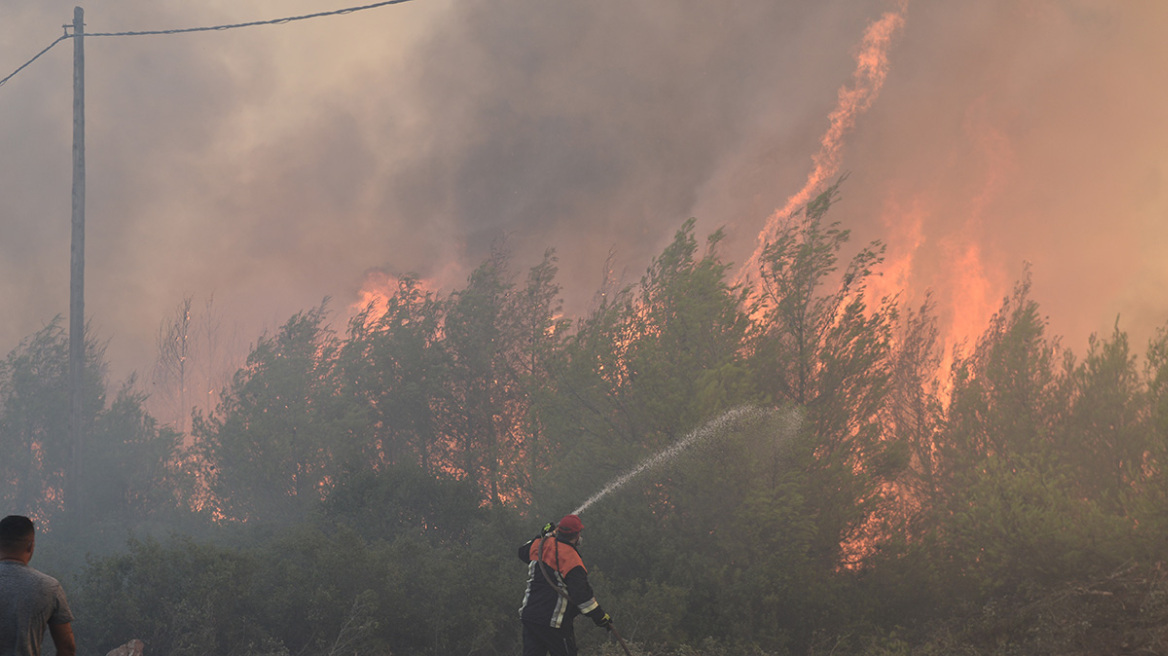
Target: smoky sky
(271,167)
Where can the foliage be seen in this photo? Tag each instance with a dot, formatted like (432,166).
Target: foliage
(281,433)
(127,470)
(645,368)
(299,590)
(819,345)
(38,456)
(837,492)
(395,368)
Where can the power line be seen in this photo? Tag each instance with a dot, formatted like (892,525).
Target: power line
(22,67)
(212,28)
(275,21)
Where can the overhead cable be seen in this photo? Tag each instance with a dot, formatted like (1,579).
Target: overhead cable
(275,21)
(212,28)
(22,67)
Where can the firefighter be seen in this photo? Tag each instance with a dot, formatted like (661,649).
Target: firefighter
(557,591)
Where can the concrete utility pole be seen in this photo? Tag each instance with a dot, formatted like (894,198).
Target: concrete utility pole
(77,269)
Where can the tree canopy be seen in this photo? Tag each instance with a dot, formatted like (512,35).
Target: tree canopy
(363,490)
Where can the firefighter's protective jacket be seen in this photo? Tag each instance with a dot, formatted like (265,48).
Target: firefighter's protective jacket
(542,604)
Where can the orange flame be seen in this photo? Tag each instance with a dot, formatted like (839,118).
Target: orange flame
(973,291)
(904,226)
(378,288)
(853,100)
(952,264)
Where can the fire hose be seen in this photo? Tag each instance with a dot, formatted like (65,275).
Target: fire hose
(563,593)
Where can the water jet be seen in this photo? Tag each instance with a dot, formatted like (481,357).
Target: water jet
(714,427)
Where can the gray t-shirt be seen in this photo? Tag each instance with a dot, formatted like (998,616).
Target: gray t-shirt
(29,601)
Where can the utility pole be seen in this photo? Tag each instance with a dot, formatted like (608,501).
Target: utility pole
(77,273)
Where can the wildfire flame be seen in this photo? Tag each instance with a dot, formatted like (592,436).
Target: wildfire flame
(954,262)
(378,288)
(854,99)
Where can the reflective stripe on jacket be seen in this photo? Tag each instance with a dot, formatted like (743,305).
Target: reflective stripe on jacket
(542,604)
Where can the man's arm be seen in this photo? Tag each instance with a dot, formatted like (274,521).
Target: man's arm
(62,635)
(580,593)
(525,551)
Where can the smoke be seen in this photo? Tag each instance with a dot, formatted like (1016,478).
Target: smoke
(274,166)
(1023,132)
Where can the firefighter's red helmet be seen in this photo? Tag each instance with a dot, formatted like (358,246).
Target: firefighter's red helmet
(570,525)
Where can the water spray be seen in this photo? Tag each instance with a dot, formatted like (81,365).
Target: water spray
(711,428)
(714,427)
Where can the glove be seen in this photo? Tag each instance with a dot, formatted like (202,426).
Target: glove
(548,528)
(603,620)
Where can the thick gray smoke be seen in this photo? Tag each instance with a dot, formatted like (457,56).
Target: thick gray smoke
(273,166)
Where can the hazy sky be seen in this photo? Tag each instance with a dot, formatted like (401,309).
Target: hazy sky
(273,166)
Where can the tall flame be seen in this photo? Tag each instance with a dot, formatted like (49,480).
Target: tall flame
(955,263)
(854,99)
(972,289)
